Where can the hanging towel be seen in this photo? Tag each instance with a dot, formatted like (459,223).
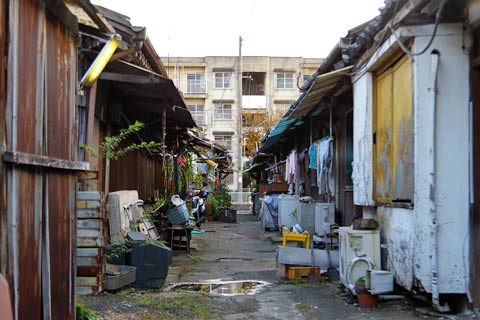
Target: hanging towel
(287,169)
(312,154)
(292,162)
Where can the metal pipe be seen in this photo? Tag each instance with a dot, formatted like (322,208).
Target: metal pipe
(435,56)
(239,87)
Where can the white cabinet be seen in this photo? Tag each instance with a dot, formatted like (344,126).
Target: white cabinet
(324,216)
(288,210)
(363,248)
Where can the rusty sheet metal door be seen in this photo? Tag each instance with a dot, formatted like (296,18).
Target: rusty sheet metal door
(383,136)
(393,135)
(41,131)
(402,126)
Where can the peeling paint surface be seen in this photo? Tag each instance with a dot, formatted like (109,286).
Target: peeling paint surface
(407,232)
(397,233)
(362,175)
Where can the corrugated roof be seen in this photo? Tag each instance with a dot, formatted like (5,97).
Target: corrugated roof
(323,85)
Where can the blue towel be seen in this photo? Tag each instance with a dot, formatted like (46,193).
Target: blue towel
(312,155)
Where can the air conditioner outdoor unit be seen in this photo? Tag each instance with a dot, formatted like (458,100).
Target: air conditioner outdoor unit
(359,251)
(324,217)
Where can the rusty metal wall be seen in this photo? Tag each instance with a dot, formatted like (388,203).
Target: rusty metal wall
(40,116)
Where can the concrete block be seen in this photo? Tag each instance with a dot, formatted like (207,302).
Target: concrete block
(300,256)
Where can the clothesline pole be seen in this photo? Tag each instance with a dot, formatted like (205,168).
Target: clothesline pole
(331,115)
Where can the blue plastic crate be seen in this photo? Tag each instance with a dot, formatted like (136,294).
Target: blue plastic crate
(178,214)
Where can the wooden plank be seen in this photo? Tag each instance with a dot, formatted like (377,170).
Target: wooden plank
(89,233)
(89,252)
(91,242)
(88,281)
(88,271)
(95,224)
(408,8)
(92,95)
(43,161)
(84,176)
(87,261)
(89,213)
(89,195)
(86,204)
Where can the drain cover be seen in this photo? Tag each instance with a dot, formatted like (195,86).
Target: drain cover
(229,259)
(230,288)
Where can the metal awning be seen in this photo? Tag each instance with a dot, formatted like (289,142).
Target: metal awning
(144,89)
(331,83)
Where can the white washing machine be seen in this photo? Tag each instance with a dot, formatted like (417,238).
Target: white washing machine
(288,210)
(359,247)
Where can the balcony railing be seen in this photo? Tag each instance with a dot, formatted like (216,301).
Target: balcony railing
(196,86)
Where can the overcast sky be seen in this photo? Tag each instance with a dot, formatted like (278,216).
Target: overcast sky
(300,28)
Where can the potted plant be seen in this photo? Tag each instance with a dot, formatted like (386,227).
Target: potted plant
(222,204)
(365,299)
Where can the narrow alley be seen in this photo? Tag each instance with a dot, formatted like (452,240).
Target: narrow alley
(243,251)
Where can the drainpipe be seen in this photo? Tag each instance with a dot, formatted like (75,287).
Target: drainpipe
(435,57)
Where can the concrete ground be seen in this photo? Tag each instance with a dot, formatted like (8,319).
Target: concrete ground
(243,251)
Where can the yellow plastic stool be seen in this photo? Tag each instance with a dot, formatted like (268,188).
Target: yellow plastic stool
(292,236)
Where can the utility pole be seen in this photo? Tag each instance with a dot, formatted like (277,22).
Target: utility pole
(239,87)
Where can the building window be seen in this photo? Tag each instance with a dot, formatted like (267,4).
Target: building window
(393,133)
(223,80)
(223,112)
(198,113)
(306,77)
(284,80)
(224,141)
(196,83)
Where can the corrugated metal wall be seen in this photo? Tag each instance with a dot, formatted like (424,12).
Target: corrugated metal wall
(136,171)
(39,255)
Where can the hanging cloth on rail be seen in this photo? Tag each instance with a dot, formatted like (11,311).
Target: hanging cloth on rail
(292,162)
(324,164)
(312,155)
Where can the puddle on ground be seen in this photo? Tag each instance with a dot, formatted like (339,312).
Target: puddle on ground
(220,287)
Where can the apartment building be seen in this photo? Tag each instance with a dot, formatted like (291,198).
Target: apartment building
(211,90)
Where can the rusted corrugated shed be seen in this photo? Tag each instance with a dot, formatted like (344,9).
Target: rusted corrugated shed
(39,165)
(136,171)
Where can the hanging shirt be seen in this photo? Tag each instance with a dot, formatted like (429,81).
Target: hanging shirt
(324,164)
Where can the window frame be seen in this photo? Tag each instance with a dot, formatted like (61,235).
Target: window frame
(222,106)
(197,112)
(286,76)
(229,142)
(199,83)
(225,84)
